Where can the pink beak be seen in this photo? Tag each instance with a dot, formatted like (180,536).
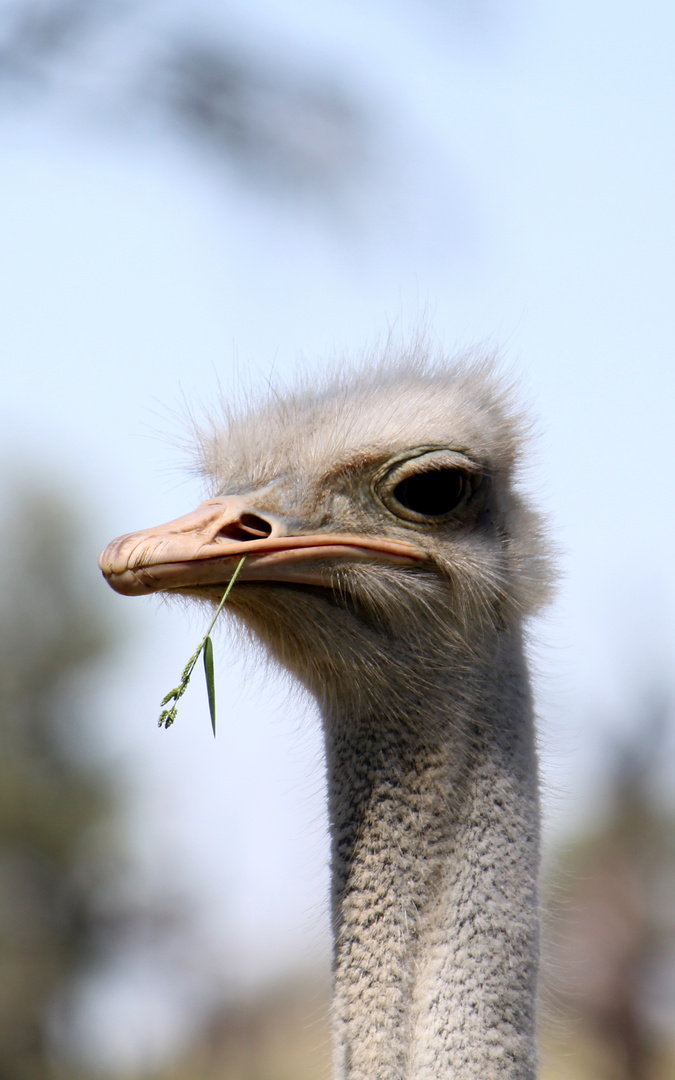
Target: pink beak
(203,548)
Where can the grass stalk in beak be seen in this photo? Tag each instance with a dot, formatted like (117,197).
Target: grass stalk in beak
(167,716)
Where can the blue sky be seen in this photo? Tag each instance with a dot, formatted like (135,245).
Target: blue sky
(520,195)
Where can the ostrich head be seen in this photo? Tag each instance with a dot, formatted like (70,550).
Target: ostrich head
(378,515)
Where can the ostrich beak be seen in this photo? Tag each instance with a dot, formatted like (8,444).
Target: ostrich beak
(204,547)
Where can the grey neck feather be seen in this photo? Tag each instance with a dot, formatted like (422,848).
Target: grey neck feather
(434,820)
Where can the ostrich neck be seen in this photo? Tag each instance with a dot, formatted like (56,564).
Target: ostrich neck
(434,823)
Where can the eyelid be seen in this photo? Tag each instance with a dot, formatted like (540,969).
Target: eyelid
(441,457)
(419,460)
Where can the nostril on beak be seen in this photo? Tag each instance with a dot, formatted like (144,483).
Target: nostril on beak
(248,527)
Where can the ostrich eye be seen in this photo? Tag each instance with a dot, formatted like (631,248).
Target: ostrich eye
(434,493)
(427,485)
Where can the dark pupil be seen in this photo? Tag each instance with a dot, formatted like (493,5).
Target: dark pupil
(431,493)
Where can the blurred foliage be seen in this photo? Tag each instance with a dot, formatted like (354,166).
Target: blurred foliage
(50,799)
(284,129)
(282,1033)
(611,902)
(286,123)
(37,32)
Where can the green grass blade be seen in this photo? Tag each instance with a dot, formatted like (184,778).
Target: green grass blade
(210,681)
(167,716)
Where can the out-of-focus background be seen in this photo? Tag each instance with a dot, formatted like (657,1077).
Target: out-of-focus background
(196,194)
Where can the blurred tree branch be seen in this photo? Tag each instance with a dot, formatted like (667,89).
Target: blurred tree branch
(41,31)
(283,129)
(289,130)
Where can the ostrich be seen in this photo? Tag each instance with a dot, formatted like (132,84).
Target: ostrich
(390,564)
